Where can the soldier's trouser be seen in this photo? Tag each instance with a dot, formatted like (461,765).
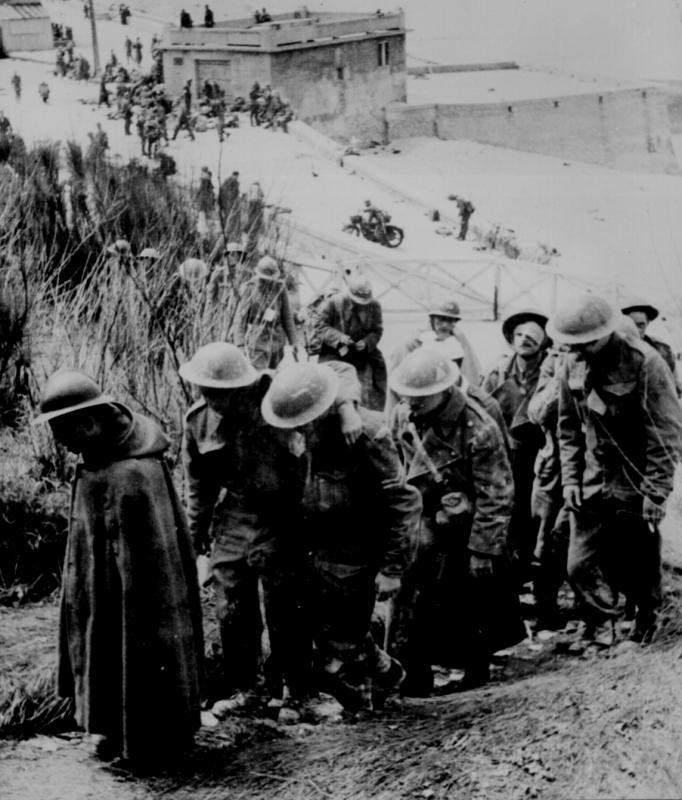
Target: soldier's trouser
(236,583)
(342,600)
(550,555)
(612,549)
(523,528)
(435,619)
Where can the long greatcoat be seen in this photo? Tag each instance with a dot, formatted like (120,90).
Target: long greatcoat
(131,644)
(463,455)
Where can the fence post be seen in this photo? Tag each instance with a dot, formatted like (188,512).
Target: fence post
(496,293)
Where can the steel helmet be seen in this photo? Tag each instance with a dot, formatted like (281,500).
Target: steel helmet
(447,308)
(360,291)
(121,247)
(639,304)
(69,390)
(193,269)
(423,372)
(519,317)
(299,394)
(267,269)
(219,365)
(583,319)
(149,252)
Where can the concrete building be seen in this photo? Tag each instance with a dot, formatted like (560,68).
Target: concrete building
(24,25)
(338,70)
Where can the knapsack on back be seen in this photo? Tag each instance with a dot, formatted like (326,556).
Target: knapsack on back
(312,322)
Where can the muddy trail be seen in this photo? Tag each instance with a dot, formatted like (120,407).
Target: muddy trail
(549,725)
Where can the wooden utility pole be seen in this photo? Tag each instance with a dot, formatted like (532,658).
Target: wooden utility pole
(95,46)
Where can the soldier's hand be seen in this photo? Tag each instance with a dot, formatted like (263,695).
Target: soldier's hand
(653,512)
(480,566)
(351,422)
(204,572)
(387,586)
(360,345)
(573,499)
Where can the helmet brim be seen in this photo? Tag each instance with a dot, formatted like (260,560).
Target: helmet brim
(310,414)
(445,315)
(46,416)
(519,318)
(582,338)
(410,391)
(650,311)
(189,373)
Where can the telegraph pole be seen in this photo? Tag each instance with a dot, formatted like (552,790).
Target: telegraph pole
(95,46)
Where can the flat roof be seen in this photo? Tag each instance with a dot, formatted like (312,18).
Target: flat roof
(496,86)
(286,32)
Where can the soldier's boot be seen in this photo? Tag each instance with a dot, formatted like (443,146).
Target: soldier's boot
(644,629)
(387,678)
(418,681)
(350,685)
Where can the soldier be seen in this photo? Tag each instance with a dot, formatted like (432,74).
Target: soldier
(443,318)
(44,91)
(137,47)
(264,321)
(451,348)
(466,209)
(219,111)
(458,604)
(619,435)
(243,500)
(643,313)
(512,383)
(350,329)
(184,121)
(103,96)
(130,647)
(359,522)
(16,84)
(128,48)
(205,200)
(228,203)
(547,505)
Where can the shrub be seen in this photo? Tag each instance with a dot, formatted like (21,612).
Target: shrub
(33,526)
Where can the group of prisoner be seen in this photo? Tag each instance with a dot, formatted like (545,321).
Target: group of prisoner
(376,523)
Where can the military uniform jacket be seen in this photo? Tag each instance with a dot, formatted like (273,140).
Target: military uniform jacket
(239,478)
(339,315)
(358,507)
(666,353)
(619,423)
(543,410)
(465,453)
(513,388)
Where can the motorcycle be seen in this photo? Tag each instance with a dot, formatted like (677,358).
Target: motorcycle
(385,234)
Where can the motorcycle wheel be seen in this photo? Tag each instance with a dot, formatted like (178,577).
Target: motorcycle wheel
(394,236)
(351,229)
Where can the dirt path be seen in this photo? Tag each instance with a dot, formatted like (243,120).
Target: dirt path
(548,727)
